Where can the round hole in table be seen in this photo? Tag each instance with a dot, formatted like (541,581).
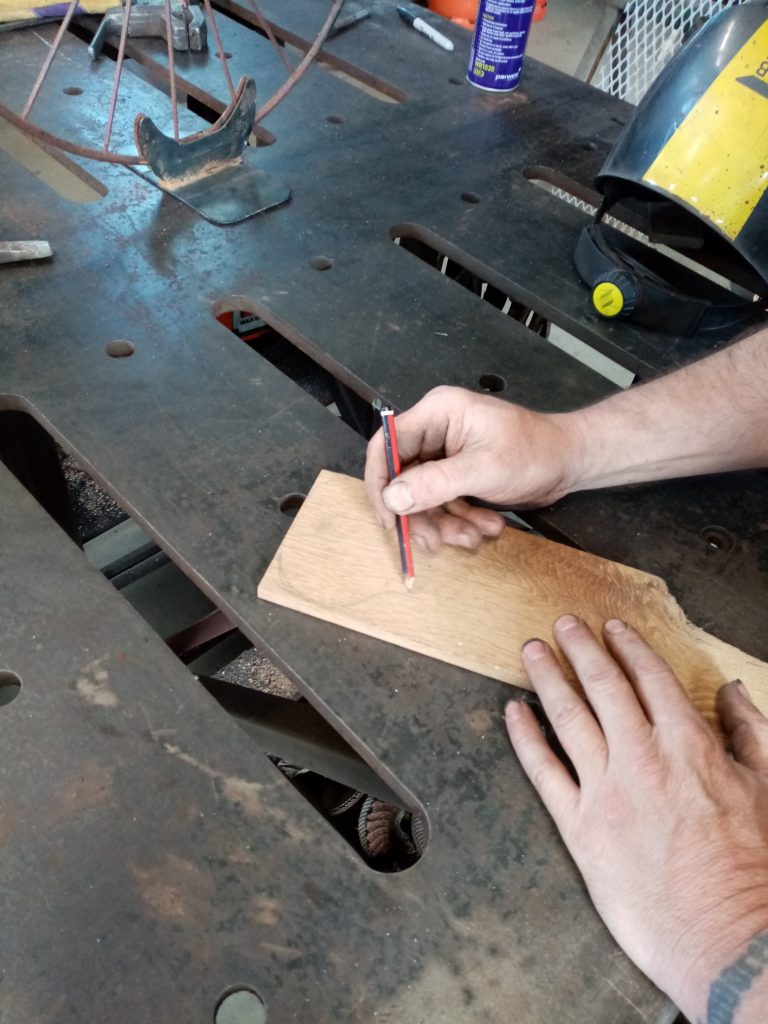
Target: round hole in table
(718,538)
(492,382)
(10,687)
(240,1006)
(290,504)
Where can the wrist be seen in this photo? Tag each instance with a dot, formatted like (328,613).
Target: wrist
(579,446)
(728,982)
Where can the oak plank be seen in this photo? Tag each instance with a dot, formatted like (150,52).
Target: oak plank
(476,609)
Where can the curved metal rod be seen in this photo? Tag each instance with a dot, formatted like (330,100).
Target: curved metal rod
(118,72)
(125,159)
(267,29)
(48,60)
(296,75)
(49,139)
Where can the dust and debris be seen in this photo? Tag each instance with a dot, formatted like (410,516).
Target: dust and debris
(286,954)
(254,670)
(93,685)
(174,889)
(266,910)
(212,167)
(247,795)
(93,509)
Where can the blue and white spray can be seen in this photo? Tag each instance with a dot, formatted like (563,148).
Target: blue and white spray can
(501,32)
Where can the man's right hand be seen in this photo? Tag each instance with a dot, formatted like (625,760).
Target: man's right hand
(455,443)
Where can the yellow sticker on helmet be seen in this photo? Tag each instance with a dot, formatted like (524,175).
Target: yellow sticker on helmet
(717,160)
(607,299)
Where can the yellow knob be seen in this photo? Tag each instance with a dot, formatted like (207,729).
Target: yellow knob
(607,299)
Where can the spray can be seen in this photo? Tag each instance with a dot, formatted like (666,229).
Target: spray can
(501,32)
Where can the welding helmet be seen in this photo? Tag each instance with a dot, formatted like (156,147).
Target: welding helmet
(691,172)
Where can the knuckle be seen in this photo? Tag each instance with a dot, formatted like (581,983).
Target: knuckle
(648,764)
(695,736)
(441,391)
(600,677)
(435,482)
(566,714)
(540,773)
(652,668)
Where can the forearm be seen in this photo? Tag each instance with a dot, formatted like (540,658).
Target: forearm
(709,417)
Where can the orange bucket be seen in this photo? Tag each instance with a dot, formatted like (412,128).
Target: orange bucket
(462,12)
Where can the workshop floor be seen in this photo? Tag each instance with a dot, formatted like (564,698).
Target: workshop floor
(562,36)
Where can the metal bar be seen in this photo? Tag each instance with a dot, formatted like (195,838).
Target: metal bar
(213,627)
(298,733)
(48,60)
(172,71)
(219,47)
(127,8)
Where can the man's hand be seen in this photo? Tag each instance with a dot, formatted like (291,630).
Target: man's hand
(669,832)
(455,443)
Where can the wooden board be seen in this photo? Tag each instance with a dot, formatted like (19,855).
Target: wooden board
(476,609)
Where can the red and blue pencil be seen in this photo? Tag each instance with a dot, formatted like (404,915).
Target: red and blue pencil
(401,522)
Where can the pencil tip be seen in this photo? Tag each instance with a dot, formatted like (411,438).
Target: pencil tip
(409,582)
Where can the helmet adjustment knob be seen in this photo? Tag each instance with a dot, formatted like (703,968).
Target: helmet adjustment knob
(616,294)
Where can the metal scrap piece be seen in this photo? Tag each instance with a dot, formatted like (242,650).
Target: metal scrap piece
(15,252)
(208,171)
(189,30)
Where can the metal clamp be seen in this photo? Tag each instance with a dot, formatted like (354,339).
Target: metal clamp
(188,27)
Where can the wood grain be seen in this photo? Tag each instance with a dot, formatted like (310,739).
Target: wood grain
(476,609)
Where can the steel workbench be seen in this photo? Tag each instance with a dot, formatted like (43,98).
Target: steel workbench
(152,858)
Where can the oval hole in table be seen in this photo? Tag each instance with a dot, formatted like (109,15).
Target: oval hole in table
(321,263)
(119,348)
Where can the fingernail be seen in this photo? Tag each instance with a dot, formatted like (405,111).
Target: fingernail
(615,626)
(397,497)
(419,542)
(534,649)
(566,622)
(742,689)
(512,711)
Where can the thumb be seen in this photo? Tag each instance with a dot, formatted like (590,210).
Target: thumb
(429,485)
(745,727)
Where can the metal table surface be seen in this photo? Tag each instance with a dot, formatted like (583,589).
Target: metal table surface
(153,859)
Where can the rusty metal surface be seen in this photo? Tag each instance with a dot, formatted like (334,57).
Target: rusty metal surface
(199,438)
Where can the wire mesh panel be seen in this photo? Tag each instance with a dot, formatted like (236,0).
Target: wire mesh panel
(648,34)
